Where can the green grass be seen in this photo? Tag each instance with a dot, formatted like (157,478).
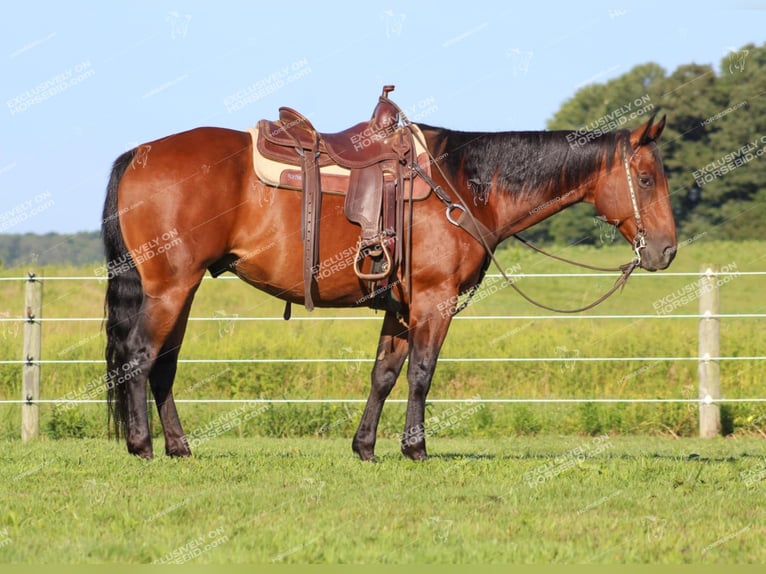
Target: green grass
(534,337)
(606,501)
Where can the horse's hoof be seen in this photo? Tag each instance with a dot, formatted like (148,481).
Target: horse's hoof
(364,452)
(145,453)
(414,453)
(140,446)
(177,447)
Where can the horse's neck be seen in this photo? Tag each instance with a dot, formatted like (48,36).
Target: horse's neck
(549,176)
(516,212)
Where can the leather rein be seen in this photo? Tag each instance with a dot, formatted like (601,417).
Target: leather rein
(468,222)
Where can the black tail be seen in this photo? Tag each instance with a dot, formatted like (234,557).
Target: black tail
(124,295)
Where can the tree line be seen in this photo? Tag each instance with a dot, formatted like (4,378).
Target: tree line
(30,250)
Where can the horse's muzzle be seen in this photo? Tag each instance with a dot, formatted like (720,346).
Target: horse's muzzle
(658,259)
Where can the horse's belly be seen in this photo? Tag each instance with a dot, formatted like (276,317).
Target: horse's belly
(332,286)
(271,255)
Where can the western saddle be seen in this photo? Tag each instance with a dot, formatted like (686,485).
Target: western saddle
(371,163)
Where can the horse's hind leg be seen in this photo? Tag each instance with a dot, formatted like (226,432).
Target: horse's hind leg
(392,350)
(163,314)
(163,373)
(161,380)
(130,393)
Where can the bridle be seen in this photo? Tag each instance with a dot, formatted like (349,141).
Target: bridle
(639,241)
(468,222)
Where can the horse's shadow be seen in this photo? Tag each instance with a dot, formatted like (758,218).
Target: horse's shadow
(518,457)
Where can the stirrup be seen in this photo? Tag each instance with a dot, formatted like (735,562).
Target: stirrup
(379,247)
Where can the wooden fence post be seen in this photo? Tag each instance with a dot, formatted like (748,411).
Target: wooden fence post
(709,349)
(30,385)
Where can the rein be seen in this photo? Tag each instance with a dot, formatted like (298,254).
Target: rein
(468,222)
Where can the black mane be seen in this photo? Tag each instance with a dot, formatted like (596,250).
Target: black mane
(526,162)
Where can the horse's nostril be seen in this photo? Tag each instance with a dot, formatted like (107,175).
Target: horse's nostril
(669,252)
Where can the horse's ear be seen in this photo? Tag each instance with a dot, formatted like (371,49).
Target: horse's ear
(647,133)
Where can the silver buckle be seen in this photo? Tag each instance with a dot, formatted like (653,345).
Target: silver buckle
(450,207)
(639,243)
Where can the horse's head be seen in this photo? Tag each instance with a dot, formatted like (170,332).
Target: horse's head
(635,198)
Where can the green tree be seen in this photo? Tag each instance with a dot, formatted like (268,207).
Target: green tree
(714,119)
(734,198)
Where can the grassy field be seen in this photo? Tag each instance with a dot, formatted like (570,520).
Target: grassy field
(592,500)
(587,483)
(531,336)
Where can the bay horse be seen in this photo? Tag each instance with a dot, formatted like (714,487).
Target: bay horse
(191,202)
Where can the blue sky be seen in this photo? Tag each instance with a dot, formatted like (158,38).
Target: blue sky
(84,81)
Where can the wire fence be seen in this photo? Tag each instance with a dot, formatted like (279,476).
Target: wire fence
(29,361)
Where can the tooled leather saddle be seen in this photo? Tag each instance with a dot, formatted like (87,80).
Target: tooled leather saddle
(371,163)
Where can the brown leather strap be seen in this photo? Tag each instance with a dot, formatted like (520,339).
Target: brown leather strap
(474,227)
(619,284)
(312,204)
(564,259)
(480,232)
(311,200)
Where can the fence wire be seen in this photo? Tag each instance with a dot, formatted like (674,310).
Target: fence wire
(697,316)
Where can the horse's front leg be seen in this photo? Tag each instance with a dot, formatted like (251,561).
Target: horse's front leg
(428,328)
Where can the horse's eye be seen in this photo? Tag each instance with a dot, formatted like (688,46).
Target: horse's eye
(645,180)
